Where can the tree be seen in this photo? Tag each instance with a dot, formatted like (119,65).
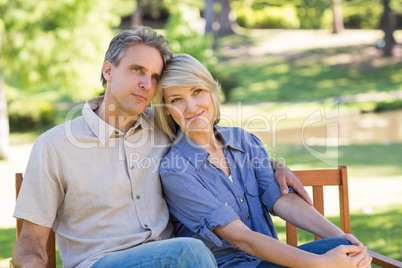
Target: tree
(209,15)
(52,46)
(4,127)
(337,25)
(58,45)
(226,18)
(388,26)
(136,18)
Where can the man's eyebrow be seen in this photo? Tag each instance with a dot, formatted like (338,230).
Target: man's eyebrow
(142,68)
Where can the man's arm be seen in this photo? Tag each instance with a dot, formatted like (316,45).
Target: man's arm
(285,178)
(30,249)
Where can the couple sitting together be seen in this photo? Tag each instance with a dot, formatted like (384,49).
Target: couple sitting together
(212,184)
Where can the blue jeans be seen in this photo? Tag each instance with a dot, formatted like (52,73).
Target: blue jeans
(317,247)
(175,252)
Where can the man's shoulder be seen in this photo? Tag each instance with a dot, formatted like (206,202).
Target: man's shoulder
(61,131)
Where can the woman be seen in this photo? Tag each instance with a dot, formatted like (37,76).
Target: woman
(220,186)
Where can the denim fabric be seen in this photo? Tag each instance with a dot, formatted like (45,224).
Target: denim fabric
(202,198)
(317,247)
(175,252)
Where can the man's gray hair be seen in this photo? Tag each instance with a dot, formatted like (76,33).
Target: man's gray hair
(137,35)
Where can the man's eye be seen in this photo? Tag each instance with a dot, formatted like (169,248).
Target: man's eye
(156,78)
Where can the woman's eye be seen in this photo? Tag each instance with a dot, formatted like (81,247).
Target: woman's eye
(197,91)
(175,100)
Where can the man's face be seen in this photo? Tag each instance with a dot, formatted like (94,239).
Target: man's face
(132,83)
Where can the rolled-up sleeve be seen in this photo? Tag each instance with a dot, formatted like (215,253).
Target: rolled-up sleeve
(193,204)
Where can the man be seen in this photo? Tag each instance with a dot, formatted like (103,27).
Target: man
(94,180)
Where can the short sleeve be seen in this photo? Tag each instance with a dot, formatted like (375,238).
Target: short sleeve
(192,203)
(40,194)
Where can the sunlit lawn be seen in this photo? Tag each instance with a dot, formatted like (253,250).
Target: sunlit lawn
(307,74)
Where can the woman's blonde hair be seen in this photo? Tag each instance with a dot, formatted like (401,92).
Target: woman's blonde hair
(184,70)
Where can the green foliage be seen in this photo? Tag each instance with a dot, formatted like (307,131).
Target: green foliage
(358,15)
(29,115)
(310,13)
(284,17)
(185,31)
(55,45)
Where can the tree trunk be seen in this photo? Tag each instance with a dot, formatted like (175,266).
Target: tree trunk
(388,28)
(209,15)
(337,24)
(4,126)
(226,18)
(136,17)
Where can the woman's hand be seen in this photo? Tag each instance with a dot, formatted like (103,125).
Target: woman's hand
(286,178)
(347,256)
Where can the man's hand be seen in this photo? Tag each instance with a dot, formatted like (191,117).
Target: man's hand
(286,178)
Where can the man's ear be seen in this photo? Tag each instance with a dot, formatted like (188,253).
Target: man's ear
(107,70)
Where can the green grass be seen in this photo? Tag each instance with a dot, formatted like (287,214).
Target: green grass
(363,161)
(306,74)
(380,231)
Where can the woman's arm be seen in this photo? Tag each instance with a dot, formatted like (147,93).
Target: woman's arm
(272,250)
(30,249)
(286,178)
(294,209)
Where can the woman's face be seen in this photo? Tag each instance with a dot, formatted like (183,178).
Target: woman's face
(191,108)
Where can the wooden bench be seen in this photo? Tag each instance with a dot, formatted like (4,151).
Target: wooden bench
(315,178)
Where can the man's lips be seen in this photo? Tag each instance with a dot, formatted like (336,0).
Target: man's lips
(140,97)
(195,117)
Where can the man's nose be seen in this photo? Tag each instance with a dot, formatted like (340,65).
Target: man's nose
(146,81)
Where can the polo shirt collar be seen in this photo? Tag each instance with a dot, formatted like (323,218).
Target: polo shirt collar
(102,129)
(197,155)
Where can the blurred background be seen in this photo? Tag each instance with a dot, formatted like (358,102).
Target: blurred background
(318,81)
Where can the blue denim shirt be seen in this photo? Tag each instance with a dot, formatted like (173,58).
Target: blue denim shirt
(201,197)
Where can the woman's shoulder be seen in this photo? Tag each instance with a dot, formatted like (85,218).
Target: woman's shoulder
(238,134)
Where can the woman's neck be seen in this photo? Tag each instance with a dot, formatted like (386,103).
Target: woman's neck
(207,140)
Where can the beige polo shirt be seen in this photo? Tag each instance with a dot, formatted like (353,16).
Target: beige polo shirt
(97,188)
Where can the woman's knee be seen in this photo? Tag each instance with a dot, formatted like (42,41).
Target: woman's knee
(324,245)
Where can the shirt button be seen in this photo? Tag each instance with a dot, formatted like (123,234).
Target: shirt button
(226,204)
(146,225)
(247,218)
(138,197)
(116,132)
(242,199)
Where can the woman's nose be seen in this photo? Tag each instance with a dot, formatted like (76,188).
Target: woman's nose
(191,105)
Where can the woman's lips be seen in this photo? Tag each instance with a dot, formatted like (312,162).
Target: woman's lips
(195,117)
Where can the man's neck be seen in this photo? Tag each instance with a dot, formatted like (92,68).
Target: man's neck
(121,122)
